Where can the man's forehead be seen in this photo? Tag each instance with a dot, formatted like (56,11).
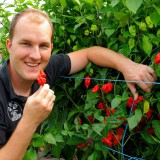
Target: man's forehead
(32,19)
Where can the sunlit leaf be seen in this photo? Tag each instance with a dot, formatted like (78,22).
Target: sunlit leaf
(156,126)
(146,106)
(30,154)
(49,138)
(133,5)
(116,102)
(135,119)
(146,45)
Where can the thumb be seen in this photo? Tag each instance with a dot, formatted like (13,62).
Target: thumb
(132,88)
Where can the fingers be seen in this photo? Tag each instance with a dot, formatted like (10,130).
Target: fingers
(46,96)
(132,88)
(145,79)
(145,84)
(50,98)
(152,72)
(44,91)
(148,80)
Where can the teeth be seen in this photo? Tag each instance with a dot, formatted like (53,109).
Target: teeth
(32,64)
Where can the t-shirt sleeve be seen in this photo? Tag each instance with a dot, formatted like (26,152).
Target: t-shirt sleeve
(59,65)
(2,129)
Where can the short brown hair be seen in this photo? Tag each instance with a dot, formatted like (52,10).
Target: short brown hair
(35,14)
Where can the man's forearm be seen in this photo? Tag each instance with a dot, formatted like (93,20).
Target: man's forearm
(108,58)
(18,143)
(100,56)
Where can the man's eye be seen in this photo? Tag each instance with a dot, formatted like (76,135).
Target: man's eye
(25,44)
(44,46)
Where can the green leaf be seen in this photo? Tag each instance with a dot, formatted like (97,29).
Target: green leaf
(157,69)
(133,5)
(77,1)
(132,30)
(156,140)
(146,45)
(116,102)
(38,142)
(59,138)
(125,50)
(98,127)
(30,155)
(109,32)
(135,119)
(92,99)
(63,3)
(78,80)
(56,150)
(158,107)
(86,127)
(131,43)
(147,137)
(114,2)
(75,140)
(72,113)
(89,1)
(49,138)
(99,3)
(156,126)
(155,17)
(122,17)
(146,106)
(94,156)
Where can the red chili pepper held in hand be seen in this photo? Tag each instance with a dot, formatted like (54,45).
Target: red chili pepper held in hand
(41,79)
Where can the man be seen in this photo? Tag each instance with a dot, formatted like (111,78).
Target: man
(23,104)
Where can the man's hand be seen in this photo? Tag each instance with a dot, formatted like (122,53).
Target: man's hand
(39,105)
(140,74)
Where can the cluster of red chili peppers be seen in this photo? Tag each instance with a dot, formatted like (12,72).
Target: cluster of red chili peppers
(107,87)
(41,79)
(113,139)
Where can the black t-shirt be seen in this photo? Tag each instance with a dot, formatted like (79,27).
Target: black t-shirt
(12,105)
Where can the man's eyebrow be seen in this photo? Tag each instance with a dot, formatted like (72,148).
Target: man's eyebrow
(29,41)
(46,43)
(25,40)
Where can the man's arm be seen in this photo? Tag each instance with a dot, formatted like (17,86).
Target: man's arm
(36,110)
(107,58)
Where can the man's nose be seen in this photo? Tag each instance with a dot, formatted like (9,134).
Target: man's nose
(35,53)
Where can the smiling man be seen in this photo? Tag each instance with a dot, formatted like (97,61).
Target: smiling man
(23,104)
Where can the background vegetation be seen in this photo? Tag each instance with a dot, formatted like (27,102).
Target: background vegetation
(83,121)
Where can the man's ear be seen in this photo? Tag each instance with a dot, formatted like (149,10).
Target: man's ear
(8,44)
(52,46)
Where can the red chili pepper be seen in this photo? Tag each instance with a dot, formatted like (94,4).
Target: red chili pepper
(101,105)
(87,81)
(91,119)
(107,141)
(81,144)
(107,87)
(79,121)
(95,88)
(157,58)
(150,131)
(110,111)
(116,139)
(41,79)
(90,140)
(149,114)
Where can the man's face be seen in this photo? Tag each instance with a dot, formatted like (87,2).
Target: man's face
(30,49)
